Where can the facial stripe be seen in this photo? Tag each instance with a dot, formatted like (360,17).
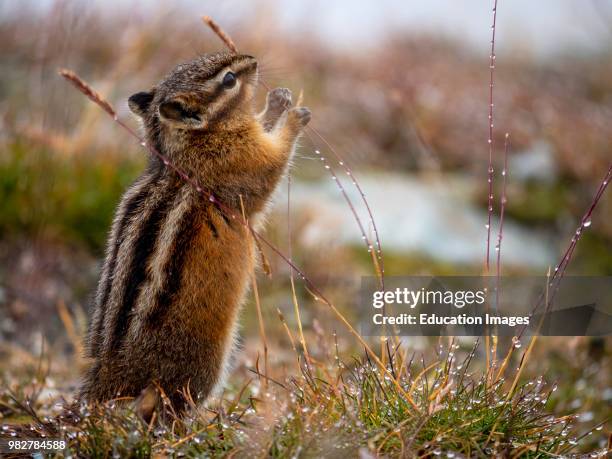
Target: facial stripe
(127,210)
(137,272)
(236,65)
(226,107)
(189,227)
(219,89)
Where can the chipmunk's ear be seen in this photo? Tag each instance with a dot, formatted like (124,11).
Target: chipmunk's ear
(139,103)
(176,112)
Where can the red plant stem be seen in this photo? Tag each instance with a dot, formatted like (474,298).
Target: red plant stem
(559,271)
(490,170)
(327,166)
(500,232)
(350,174)
(584,223)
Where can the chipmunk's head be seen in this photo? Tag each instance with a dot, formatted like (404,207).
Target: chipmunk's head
(211,92)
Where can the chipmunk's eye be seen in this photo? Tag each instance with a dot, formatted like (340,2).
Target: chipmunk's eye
(229,80)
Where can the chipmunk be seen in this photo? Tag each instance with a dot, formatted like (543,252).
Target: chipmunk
(177,265)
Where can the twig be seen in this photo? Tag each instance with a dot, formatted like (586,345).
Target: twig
(88,91)
(216,28)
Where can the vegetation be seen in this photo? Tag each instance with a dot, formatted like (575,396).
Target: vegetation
(447,408)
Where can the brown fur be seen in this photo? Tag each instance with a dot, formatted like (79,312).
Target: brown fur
(177,266)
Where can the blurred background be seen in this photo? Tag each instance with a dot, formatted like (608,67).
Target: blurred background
(400,89)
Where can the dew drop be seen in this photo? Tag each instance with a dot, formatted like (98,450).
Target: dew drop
(587,223)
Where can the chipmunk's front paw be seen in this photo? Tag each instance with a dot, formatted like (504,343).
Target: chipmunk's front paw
(279,99)
(301,114)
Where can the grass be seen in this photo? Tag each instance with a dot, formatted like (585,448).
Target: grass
(329,409)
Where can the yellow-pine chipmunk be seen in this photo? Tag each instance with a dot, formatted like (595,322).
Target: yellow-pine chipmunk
(177,266)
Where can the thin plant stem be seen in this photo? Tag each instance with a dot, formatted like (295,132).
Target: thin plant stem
(262,328)
(500,231)
(488,352)
(560,268)
(296,306)
(500,234)
(490,140)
